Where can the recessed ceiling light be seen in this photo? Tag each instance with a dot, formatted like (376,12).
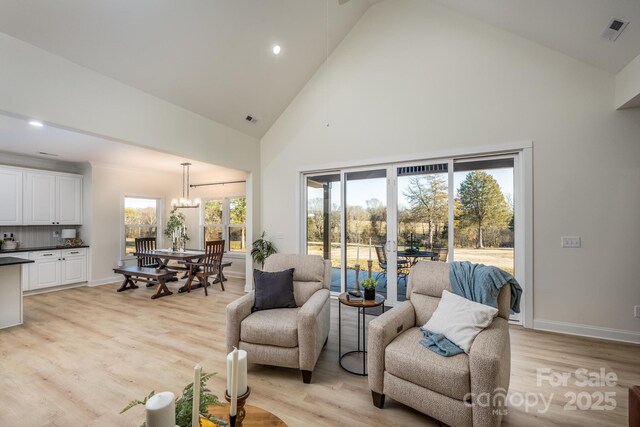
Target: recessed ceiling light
(276,49)
(36,123)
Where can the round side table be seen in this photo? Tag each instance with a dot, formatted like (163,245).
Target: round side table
(256,417)
(361,304)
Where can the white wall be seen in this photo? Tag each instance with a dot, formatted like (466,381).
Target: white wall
(415,77)
(628,85)
(37,84)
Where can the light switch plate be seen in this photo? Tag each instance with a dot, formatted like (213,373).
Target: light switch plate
(570,242)
(636,311)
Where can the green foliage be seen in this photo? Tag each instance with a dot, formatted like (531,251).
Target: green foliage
(213,212)
(184,403)
(369,283)
(482,203)
(238,210)
(262,249)
(175,223)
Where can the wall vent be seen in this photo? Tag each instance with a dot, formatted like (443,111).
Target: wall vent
(613,30)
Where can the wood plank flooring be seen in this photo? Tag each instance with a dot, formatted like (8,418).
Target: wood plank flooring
(84,353)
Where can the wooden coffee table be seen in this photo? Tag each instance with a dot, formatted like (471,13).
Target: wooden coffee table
(256,417)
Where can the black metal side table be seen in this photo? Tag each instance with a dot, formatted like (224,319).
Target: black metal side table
(361,305)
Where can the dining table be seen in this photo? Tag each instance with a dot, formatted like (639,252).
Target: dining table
(189,257)
(413,257)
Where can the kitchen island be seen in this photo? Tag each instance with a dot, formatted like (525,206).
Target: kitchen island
(11,291)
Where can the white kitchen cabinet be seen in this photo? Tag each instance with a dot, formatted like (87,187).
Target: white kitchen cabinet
(57,267)
(74,266)
(52,198)
(45,271)
(10,196)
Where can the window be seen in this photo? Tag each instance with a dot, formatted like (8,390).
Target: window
(140,220)
(226,219)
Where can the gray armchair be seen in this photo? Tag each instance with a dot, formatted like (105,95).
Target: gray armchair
(445,388)
(287,337)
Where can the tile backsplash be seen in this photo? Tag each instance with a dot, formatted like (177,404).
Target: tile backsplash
(36,235)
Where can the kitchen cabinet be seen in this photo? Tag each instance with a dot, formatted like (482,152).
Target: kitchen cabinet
(52,198)
(57,267)
(10,196)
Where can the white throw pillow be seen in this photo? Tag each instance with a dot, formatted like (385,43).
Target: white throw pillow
(460,319)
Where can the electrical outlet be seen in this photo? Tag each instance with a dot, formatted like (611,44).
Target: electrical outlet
(570,242)
(56,234)
(636,311)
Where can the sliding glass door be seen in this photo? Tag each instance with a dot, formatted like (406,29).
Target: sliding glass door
(391,217)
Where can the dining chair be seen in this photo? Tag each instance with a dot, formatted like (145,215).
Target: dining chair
(211,265)
(442,254)
(145,244)
(382,261)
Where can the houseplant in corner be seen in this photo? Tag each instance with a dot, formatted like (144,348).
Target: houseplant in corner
(262,249)
(369,284)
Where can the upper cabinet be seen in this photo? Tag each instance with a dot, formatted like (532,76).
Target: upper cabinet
(51,198)
(10,196)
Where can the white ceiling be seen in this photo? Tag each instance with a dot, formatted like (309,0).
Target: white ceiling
(18,137)
(573,27)
(212,57)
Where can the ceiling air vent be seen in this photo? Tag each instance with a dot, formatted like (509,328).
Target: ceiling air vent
(613,30)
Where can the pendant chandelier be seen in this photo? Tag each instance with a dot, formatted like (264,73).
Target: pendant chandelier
(185,201)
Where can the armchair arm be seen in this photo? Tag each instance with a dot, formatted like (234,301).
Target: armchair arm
(237,311)
(382,330)
(490,368)
(314,320)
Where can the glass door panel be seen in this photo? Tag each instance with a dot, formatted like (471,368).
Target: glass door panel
(365,231)
(422,217)
(324,217)
(484,212)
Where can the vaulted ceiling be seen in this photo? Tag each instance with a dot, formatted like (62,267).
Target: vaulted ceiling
(215,57)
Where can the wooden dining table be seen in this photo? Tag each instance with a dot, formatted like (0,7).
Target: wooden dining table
(189,257)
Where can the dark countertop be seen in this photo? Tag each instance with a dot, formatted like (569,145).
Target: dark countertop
(41,248)
(13,261)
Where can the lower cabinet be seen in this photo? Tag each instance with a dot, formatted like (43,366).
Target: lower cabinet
(58,267)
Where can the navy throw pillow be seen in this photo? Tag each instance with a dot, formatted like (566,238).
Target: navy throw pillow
(273,290)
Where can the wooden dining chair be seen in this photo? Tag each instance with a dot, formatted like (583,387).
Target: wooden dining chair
(442,254)
(144,244)
(211,265)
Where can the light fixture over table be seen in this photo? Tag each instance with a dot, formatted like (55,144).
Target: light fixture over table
(185,201)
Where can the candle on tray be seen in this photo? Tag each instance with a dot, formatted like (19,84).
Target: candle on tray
(195,412)
(234,383)
(370,259)
(161,410)
(242,372)
(358,251)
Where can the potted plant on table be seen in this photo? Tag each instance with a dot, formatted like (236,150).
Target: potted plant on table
(369,284)
(176,229)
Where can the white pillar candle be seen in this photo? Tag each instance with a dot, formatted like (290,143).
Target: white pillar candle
(242,372)
(161,410)
(195,412)
(234,383)
(358,251)
(370,259)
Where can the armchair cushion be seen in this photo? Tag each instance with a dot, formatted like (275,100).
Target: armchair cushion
(407,359)
(277,327)
(308,273)
(273,290)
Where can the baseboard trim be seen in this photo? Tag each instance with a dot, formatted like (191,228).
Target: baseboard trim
(587,331)
(30,292)
(104,281)
(234,275)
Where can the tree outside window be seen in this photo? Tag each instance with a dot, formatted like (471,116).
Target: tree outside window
(140,220)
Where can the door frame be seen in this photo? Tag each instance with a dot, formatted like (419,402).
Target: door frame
(524,171)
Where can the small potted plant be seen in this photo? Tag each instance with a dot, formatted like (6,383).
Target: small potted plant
(369,286)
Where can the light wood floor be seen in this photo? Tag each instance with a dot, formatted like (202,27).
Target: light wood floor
(84,353)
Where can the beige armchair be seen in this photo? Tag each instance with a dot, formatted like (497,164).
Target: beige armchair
(455,389)
(287,337)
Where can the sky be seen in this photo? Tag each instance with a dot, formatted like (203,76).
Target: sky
(139,203)
(359,191)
